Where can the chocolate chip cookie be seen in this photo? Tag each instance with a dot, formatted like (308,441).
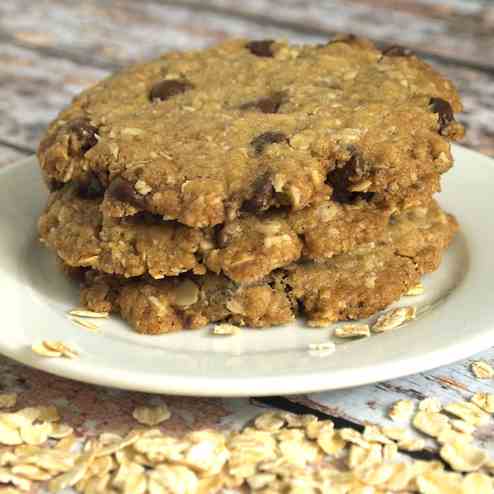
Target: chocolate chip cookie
(348,286)
(201,137)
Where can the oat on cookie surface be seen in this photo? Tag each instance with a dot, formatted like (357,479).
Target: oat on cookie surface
(195,137)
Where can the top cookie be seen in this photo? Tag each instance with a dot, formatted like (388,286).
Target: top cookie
(246,126)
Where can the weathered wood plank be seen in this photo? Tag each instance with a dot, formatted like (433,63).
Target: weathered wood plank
(369,404)
(463,36)
(36,86)
(9,154)
(108,32)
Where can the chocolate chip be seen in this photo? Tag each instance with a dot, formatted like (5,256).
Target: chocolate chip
(260,48)
(82,136)
(90,188)
(398,51)
(262,140)
(263,193)
(339,179)
(166,89)
(122,190)
(54,185)
(444,111)
(270,104)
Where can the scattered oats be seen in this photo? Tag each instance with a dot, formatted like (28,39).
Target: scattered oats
(352,331)
(354,437)
(74,475)
(439,482)
(478,483)
(331,444)
(322,349)
(58,346)
(294,420)
(469,412)
(365,457)
(397,433)
(176,479)
(484,401)
(449,435)
(401,410)
(8,400)
(462,426)
(225,329)
(261,480)
(9,436)
(7,458)
(67,443)
(430,405)
(393,318)
(463,457)
(89,314)
(431,423)
(59,431)
(47,413)
(151,415)
(390,451)
(401,477)
(43,351)
(270,422)
(31,472)
(373,434)
(317,428)
(8,478)
(482,370)
(414,444)
(375,475)
(55,349)
(86,324)
(36,434)
(418,289)
(117,444)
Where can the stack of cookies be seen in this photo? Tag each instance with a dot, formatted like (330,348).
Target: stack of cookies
(252,182)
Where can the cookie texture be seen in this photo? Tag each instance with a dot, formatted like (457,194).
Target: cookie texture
(200,137)
(245,249)
(348,286)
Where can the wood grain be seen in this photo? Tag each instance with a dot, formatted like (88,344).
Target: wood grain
(37,82)
(463,35)
(9,154)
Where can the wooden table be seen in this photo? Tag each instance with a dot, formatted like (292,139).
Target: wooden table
(51,49)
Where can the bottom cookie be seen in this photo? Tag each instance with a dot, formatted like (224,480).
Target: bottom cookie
(348,286)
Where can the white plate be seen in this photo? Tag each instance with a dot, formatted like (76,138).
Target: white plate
(457,313)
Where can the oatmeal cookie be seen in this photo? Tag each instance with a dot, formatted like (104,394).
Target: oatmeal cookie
(248,126)
(348,286)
